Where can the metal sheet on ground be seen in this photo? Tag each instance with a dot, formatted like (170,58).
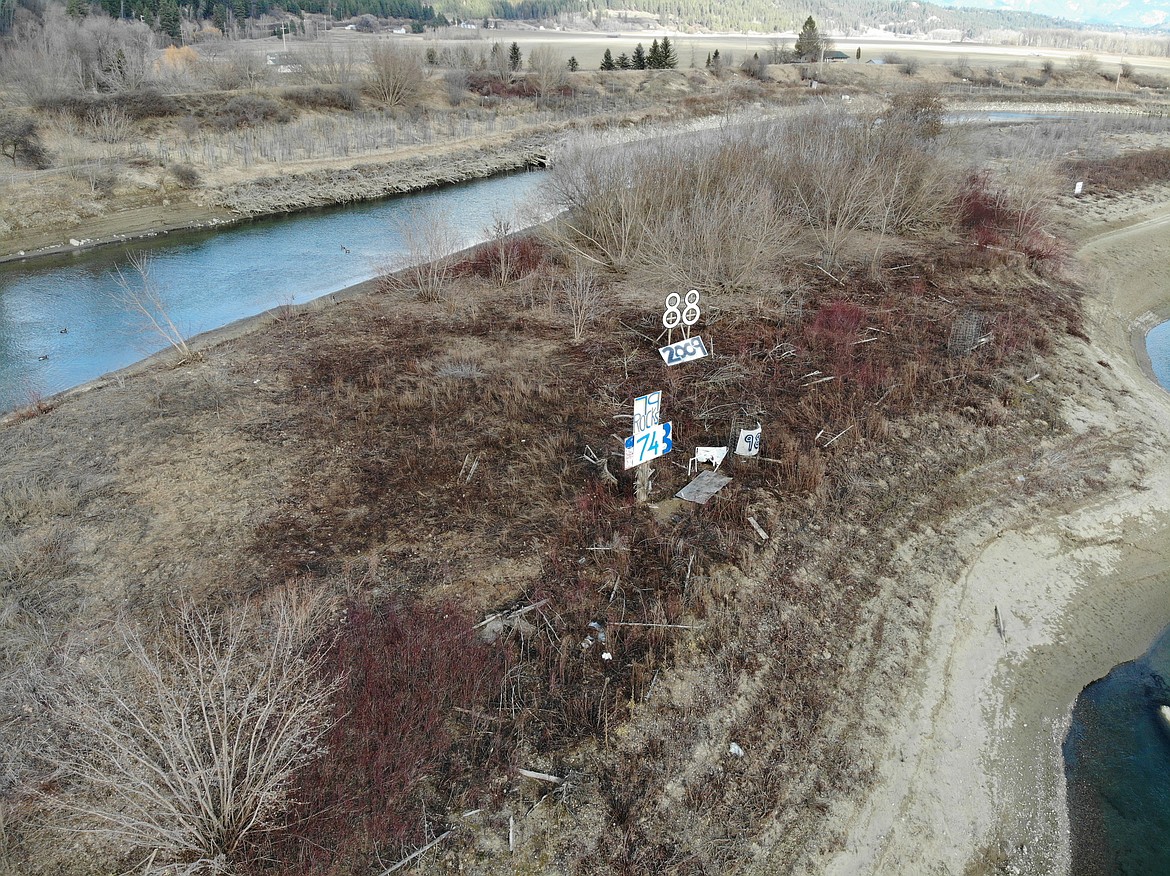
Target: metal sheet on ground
(702,488)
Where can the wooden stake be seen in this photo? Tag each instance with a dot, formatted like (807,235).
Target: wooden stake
(417,854)
(642,482)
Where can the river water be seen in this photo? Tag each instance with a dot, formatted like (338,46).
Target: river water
(1117,750)
(61,322)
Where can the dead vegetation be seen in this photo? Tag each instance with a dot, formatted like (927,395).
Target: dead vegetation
(430,466)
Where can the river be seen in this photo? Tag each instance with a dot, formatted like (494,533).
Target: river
(62,324)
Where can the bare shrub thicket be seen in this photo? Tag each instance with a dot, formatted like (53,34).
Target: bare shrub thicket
(329,64)
(62,55)
(842,174)
(183,747)
(228,66)
(717,212)
(395,73)
(676,208)
(583,299)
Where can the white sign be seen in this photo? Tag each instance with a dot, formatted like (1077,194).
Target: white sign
(1080,187)
(647,411)
(688,315)
(648,445)
(683,351)
(749,442)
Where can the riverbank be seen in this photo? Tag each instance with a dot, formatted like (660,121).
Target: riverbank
(1037,599)
(305,185)
(293,192)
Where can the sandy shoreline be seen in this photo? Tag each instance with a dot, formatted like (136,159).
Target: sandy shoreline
(970,778)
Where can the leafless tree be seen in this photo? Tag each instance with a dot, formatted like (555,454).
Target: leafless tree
(235,65)
(1029,185)
(456,82)
(328,64)
(547,72)
(396,73)
(182,750)
(139,294)
(497,62)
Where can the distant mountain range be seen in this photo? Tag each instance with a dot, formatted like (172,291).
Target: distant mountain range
(969,19)
(1118,13)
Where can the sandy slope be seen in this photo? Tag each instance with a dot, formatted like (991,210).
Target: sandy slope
(970,777)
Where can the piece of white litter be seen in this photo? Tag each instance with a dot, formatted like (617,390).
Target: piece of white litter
(759,529)
(735,750)
(605,655)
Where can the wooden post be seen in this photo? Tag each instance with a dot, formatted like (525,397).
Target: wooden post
(643,479)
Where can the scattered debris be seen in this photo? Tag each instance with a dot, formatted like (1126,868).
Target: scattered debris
(712,455)
(759,529)
(734,750)
(467,471)
(838,435)
(494,625)
(602,464)
(417,854)
(540,777)
(597,635)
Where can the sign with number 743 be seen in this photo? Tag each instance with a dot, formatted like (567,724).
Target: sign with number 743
(648,445)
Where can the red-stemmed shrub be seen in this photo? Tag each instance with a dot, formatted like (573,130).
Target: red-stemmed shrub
(413,728)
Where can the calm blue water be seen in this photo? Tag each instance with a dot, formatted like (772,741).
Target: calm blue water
(211,278)
(1117,751)
(1117,764)
(1158,346)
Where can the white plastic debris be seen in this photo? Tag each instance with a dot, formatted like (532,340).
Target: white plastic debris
(735,750)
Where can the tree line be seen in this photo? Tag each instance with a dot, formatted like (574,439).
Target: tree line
(660,57)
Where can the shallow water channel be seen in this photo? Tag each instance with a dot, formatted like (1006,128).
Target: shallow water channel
(1117,750)
(61,322)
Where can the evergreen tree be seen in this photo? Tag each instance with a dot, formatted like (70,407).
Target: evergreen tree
(170,21)
(809,42)
(716,61)
(77,8)
(667,55)
(607,62)
(708,60)
(624,62)
(654,59)
(638,62)
(514,57)
(573,65)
